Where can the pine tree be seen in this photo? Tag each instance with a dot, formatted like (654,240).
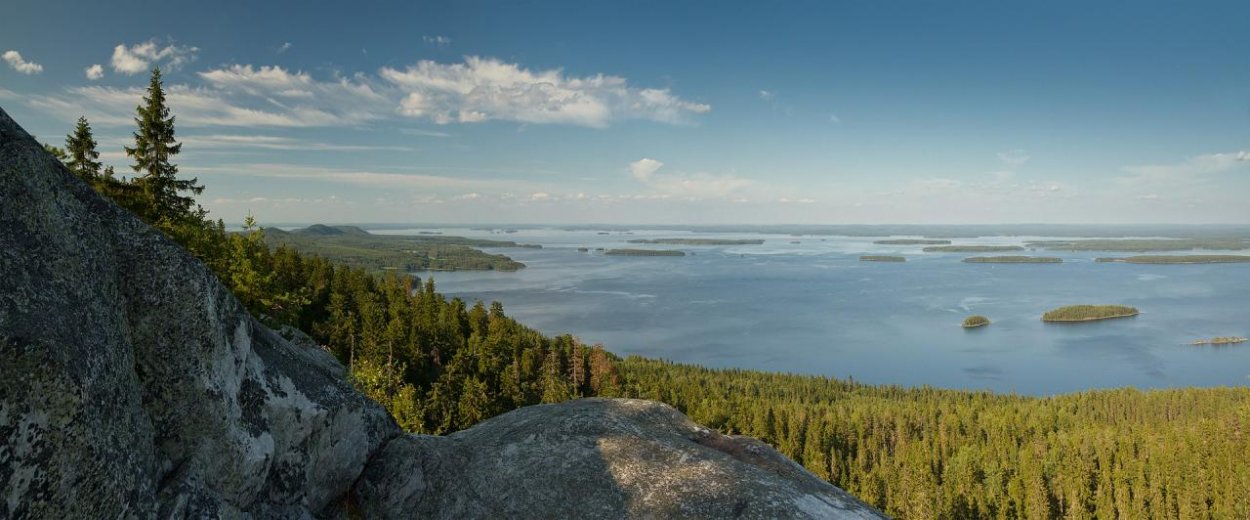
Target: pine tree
(154,148)
(82,155)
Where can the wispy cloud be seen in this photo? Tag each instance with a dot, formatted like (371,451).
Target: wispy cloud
(140,57)
(438,40)
(269,142)
(1192,167)
(482,89)
(690,186)
(1014,158)
(286,46)
(366,178)
(15,60)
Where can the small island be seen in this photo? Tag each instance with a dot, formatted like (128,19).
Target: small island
(583,249)
(1177,259)
(971,249)
(1013,260)
(974,321)
(882,258)
(1077,313)
(644,252)
(1220,340)
(911,242)
(699,241)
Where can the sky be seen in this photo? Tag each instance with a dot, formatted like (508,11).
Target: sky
(718,112)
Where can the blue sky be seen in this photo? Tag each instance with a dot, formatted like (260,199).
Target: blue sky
(665,112)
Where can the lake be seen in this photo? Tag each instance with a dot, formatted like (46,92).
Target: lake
(812,307)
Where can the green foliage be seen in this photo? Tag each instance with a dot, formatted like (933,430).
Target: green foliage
(169,197)
(1089,312)
(644,252)
(58,153)
(975,321)
(1141,245)
(699,241)
(882,258)
(929,453)
(1180,259)
(971,249)
(82,155)
(358,248)
(1013,260)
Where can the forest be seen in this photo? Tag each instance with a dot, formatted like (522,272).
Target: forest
(441,365)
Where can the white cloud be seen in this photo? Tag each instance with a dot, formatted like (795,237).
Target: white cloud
(767,96)
(19,64)
(94,72)
(689,186)
(142,56)
(482,89)
(642,169)
(1014,158)
(269,142)
(441,41)
(286,46)
(1194,166)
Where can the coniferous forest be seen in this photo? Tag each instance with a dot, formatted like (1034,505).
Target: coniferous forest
(441,365)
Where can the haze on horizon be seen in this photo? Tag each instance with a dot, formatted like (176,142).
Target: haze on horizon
(656,113)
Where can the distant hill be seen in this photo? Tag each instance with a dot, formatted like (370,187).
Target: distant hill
(326,231)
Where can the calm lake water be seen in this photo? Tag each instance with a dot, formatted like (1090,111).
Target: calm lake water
(812,307)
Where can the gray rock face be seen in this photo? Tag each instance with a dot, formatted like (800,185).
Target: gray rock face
(594,458)
(134,385)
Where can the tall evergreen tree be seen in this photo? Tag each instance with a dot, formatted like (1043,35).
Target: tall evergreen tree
(80,147)
(153,150)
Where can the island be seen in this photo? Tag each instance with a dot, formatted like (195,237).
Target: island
(583,249)
(357,247)
(1077,313)
(882,258)
(644,252)
(1142,245)
(1013,260)
(974,321)
(911,242)
(699,241)
(1220,340)
(1177,259)
(971,249)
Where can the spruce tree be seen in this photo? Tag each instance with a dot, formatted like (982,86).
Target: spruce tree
(80,147)
(154,148)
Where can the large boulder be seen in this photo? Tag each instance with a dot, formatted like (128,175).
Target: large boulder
(134,385)
(594,458)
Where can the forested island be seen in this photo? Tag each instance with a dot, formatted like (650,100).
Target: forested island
(354,246)
(974,321)
(1177,259)
(882,258)
(699,241)
(441,364)
(1013,260)
(1220,340)
(644,252)
(1076,313)
(911,242)
(1142,245)
(971,249)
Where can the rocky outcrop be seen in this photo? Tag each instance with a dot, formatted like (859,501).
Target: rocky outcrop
(134,385)
(594,458)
